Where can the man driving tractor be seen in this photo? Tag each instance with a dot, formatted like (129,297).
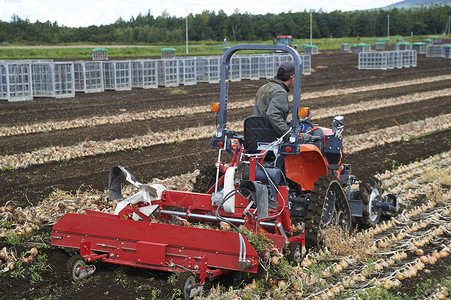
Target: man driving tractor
(272,98)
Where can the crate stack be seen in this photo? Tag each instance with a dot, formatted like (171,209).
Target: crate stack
(420,47)
(25,79)
(379,46)
(345,47)
(362,47)
(435,51)
(99,54)
(403,46)
(384,60)
(310,49)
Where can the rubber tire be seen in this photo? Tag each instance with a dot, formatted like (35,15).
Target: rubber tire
(370,217)
(73,263)
(185,280)
(294,253)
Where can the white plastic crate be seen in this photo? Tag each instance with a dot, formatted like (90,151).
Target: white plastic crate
(187,71)
(420,48)
(144,74)
(435,51)
(345,47)
(15,81)
(235,68)
(306,64)
(117,75)
(245,61)
(373,61)
(88,77)
(168,72)
(387,60)
(208,68)
(447,50)
(254,67)
(213,68)
(53,79)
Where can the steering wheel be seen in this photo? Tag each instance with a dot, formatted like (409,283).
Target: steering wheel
(305,125)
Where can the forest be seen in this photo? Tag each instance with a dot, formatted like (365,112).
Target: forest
(215,26)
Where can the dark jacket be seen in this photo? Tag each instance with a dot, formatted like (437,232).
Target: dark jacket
(272,100)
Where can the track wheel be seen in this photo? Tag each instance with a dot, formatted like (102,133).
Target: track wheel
(78,269)
(188,285)
(327,206)
(294,253)
(370,193)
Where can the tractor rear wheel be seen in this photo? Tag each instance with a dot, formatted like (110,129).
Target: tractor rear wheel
(370,192)
(327,206)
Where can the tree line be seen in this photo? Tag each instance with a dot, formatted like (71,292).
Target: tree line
(212,26)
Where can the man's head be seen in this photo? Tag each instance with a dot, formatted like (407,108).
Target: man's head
(286,73)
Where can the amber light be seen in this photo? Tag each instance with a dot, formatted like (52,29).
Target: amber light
(303,112)
(214,107)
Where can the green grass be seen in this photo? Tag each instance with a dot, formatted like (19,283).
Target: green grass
(84,51)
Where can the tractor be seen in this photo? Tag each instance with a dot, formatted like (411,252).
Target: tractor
(288,188)
(286,40)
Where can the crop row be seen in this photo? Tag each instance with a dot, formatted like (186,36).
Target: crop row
(162,113)
(90,148)
(381,257)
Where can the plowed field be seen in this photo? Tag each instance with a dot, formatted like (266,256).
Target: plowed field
(164,132)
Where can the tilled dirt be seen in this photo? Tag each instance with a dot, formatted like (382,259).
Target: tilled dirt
(332,70)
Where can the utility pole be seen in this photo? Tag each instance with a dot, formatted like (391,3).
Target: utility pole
(388,26)
(311,28)
(448,26)
(186,33)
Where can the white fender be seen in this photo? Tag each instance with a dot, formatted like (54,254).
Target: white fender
(229,185)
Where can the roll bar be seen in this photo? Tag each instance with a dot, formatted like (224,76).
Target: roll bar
(225,69)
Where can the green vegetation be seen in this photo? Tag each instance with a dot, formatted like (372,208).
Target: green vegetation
(75,52)
(12,238)
(169,31)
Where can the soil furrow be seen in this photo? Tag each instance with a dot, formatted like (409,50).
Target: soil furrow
(356,123)
(161,161)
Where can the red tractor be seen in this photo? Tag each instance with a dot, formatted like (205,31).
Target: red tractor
(272,184)
(286,40)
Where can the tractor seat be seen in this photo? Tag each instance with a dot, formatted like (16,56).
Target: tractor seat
(257,129)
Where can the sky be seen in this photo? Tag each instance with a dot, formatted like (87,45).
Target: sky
(83,13)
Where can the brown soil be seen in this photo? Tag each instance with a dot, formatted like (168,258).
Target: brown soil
(30,185)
